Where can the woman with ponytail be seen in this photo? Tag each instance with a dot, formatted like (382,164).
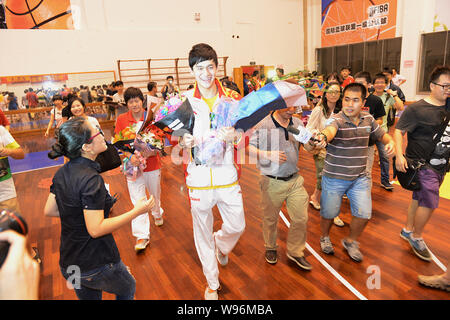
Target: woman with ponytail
(78,196)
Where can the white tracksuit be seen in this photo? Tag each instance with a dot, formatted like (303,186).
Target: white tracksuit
(210,186)
(140,226)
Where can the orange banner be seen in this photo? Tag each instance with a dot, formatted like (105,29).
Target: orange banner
(34,79)
(353,21)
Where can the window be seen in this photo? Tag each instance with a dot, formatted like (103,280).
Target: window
(435,51)
(392,49)
(357,57)
(370,56)
(325,61)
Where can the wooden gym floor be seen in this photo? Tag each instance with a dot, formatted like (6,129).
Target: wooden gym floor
(170,269)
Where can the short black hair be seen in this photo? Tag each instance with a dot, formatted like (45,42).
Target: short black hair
(439,71)
(387,70)
(70,137)
(380,76)
(118,83)
(346,67)
(202,52)
(131,93)
(57,97)
(151,85)
(354,87)
(365,75)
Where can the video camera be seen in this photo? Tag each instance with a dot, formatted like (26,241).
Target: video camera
(10,220)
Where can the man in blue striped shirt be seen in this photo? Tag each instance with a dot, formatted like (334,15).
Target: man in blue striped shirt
(346,138)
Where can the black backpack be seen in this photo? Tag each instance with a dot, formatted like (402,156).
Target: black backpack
(391,116)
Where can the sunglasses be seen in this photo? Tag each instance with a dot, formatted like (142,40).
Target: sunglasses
(98,133)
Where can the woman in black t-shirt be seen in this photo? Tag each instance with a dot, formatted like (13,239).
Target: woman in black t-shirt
(89,258)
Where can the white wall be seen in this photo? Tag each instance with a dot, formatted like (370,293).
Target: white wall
(109,30)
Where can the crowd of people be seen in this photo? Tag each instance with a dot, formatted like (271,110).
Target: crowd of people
(351,115)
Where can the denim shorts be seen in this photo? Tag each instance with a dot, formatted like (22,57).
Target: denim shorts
(358,192)
(112,278)
(428,195)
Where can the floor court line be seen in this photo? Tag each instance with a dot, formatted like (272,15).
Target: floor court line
(327,266)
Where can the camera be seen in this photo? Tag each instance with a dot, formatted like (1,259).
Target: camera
(10,220)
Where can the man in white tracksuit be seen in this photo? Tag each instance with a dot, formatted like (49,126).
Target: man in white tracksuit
(211,185)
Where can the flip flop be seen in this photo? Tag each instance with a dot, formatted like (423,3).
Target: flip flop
(316,206)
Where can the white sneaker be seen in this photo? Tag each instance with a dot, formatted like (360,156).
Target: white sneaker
(337,221)
(159,221)
(141,244)
(211,294)
(222,258)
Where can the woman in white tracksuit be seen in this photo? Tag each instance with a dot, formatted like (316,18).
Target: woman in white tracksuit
(216,184)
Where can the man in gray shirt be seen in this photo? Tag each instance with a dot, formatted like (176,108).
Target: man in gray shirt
(346,138)
(277,152)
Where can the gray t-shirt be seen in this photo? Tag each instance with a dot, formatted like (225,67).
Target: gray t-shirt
(269,135)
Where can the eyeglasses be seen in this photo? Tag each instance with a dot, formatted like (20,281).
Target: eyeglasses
(444,86)
(333,92)
(98,133)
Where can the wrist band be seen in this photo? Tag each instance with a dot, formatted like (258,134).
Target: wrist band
(324,136)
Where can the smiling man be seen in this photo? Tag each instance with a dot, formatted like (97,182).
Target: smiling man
(214,184)
(346,138)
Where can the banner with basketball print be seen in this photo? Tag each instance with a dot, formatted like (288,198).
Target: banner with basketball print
(36,14)
(353,21)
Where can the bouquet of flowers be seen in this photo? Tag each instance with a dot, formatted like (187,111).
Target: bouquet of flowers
(176,116)
(140,144)
(133,172)
(244,114)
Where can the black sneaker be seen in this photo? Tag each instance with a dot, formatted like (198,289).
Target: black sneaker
(388,186)
(271,256)
(301,262)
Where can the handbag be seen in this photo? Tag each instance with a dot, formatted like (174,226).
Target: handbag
(108,159)
(409,180)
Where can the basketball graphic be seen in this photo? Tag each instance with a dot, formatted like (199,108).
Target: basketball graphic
(38,14)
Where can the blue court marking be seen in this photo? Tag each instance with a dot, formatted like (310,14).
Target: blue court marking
(33,161)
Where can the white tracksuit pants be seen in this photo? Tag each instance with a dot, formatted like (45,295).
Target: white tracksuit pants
(229,203)
(140,226)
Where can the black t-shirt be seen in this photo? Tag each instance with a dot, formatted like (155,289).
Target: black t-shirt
(374,105)
(78,186)
(422,120)
(66,112)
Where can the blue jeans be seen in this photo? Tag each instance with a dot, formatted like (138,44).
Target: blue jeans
(113,278)
(358,192)
(384,163)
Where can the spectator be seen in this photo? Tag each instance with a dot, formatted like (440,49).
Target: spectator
(441,281)
(390,100)
(3,120)
(78,196)
(397,79)
(388,73)
(56,114)
(118,98)
(153,102)
(329,105)
(374,105)
(19,274)
(277,152)
(346,76)
(423,121)
(346,138)
(150,178)
(8,148)
(169,88)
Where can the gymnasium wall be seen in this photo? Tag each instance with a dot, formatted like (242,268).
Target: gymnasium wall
(270,33)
